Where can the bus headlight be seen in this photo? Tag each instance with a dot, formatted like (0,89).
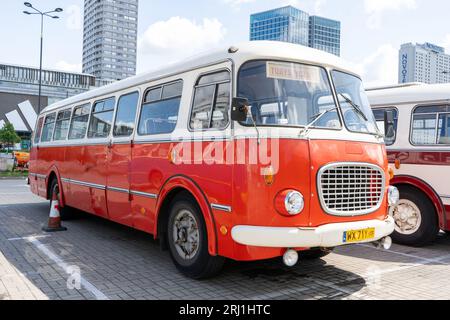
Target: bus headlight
(289,203)
(393,196)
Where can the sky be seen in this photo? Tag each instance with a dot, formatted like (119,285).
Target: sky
(170,30)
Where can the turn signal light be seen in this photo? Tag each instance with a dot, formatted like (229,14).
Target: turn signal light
(398,164)
(391,173)
(269,175)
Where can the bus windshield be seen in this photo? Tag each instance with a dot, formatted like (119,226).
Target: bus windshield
(288,94)
(354,103)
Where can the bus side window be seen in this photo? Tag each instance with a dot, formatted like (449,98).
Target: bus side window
(49,125)
(38,131)
(159,114)
(379,117)
(431,125)
(211,102)
(62,125)
(79,122)
(102,118)
(126,115)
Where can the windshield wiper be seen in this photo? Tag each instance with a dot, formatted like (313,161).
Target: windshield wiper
(362,114)
(355,107)
(315,118)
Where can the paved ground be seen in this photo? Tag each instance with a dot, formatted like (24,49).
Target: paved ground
(97,259)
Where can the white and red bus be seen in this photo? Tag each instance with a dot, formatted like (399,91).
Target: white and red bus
(419,152)
(249,153)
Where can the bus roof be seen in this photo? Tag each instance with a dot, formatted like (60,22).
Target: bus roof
(417,93)
(246,51)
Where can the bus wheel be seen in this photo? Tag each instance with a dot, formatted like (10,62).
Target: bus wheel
(313,254)
(415,218)
(66,213)
(188,241)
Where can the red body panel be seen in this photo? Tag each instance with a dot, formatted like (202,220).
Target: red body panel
(118,176)
(434,158)
(147,169)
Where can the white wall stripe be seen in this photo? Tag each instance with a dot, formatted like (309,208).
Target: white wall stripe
(29,113)
(16,120)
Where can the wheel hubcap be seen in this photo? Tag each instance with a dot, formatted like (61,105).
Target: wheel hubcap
(186,235)
(407,216)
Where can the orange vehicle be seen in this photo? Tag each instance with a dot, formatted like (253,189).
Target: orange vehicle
(22,158)
(263,150)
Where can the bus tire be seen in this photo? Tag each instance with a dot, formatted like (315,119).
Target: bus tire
(65,212)
(415,218)
(314,254)
(188,241)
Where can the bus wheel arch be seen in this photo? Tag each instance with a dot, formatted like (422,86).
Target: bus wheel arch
(416,202)
(427,190)
(66,212)
(170,191)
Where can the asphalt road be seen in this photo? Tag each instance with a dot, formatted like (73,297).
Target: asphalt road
(97,259)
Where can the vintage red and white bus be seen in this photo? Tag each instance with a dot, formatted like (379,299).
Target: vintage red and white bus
(249,153)
(419,152)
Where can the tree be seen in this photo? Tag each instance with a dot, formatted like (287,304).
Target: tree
(8,136)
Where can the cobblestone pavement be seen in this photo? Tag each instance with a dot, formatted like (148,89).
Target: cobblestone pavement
(97,259)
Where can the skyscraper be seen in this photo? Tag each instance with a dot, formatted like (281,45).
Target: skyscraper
(425,63)
(325,34)
(110,39)
(289,24)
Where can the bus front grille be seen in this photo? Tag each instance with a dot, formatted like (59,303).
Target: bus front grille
(351,189)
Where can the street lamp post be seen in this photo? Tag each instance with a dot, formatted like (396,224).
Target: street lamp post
(42,14)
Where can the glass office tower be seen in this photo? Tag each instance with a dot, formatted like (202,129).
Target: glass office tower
(325,35)
(286,24)
(289,24)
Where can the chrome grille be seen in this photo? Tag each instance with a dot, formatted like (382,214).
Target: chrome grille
(351,189)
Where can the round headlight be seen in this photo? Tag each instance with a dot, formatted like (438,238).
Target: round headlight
(393,196)
(294,203)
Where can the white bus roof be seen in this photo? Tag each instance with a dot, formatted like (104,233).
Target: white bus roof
(417,93)
(247,51)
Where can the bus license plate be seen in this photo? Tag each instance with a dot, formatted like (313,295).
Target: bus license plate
(354,236)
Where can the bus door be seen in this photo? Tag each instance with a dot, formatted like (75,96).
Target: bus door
(118,191)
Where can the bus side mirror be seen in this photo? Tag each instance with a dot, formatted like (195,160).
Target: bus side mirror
(239,109)
(389,123)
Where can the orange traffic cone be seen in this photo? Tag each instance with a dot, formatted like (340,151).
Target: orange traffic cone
(54,222)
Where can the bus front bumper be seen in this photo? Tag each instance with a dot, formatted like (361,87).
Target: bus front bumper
(326,236)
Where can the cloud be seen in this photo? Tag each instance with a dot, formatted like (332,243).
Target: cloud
(74,19)
(68,67)
(237,3)
(318,6)
(446,42)
(376,8)
(180,36)
(380,68)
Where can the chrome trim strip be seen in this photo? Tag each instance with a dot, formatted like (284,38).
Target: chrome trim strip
(350,213)
(445,196)
(120,190)
(41,176)
(102,187)
(221,207)
(87,184)
(144,194)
